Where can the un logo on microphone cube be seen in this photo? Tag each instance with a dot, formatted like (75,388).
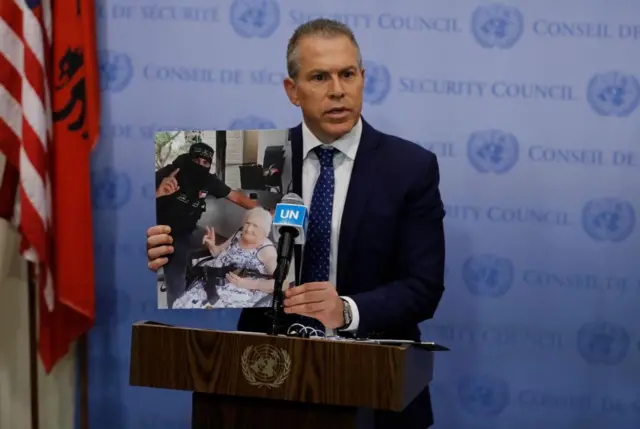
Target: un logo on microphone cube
(292,215)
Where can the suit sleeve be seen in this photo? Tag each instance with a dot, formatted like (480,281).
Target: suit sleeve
(414,296)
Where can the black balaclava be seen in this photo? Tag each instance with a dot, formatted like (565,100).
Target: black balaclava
(191,172)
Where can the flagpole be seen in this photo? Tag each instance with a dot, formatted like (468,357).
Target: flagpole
(33,345)
(83,366)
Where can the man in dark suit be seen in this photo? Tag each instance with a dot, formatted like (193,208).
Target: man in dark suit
(374,258)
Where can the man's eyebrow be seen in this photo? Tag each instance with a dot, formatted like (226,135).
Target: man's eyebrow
(344,69)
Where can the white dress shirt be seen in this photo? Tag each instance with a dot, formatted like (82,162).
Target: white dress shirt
(347,147)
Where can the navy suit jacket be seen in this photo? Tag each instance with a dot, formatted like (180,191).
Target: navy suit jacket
(391,253)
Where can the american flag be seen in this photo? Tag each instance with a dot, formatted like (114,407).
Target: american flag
(49,124)
(26,130)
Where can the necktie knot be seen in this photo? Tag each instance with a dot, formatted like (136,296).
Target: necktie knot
(325,155)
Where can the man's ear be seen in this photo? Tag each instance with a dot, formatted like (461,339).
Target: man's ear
(291,89)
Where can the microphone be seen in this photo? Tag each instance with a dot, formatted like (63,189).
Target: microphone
(289,227)
(290,215)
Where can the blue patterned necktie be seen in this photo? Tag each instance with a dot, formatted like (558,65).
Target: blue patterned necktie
(317,249)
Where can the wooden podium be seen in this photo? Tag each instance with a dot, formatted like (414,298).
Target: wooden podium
(250,380)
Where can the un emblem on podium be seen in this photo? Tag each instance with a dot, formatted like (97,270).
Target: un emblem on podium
(265,365)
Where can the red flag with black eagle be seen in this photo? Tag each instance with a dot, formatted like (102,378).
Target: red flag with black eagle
(49,124)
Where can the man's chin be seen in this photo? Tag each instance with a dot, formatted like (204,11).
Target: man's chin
(337,130)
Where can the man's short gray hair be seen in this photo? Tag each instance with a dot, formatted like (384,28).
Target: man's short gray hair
(320,27)
(262,218)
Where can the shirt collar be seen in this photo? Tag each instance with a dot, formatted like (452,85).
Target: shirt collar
(347,144)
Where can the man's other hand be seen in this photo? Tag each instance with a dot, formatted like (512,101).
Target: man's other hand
(318,300)
(158,245)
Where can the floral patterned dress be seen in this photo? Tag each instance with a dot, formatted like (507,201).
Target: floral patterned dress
(229,295)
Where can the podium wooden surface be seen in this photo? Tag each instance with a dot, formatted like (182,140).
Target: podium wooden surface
(242,379)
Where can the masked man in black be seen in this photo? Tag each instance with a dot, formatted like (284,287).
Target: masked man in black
(181,190)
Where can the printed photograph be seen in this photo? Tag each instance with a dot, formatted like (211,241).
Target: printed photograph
(217,190)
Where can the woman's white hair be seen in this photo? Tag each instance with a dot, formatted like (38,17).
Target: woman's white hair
(262,217)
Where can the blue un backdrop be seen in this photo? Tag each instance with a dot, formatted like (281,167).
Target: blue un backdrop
(532,110)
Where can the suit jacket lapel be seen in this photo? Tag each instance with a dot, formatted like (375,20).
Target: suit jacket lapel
(296,176)
(364,169)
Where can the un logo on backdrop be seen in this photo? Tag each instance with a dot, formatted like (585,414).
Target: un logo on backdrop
(613,93)
(608,219)
(116,70)
(483,395)
(497,25)
(254,18)
(377,82)
(492,151)
(488,275)
(252,123)
(601,343)
(110,189)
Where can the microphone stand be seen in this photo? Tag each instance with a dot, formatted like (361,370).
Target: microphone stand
(285,253)
(276,308)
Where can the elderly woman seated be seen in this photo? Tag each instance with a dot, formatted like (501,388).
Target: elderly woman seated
(240,272)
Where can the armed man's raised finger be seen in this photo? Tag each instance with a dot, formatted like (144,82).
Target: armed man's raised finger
(172,183)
